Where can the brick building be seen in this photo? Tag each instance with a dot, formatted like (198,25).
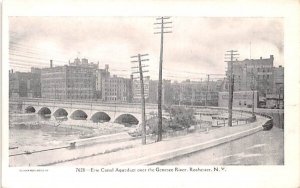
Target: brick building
(196,93)
(117,89)
(101,76)
(254,74)
(136,89)
(167,92)
(73,81)
(25,84)
(276,100)
(240,99)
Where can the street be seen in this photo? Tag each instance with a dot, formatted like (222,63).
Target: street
(262,148)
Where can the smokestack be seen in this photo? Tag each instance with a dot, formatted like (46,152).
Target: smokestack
(51,63)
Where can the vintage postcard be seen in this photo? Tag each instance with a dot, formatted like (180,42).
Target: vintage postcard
(181,94)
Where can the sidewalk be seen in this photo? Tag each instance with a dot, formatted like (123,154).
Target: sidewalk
(171,147)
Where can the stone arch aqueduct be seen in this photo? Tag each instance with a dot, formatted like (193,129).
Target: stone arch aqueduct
(79,108)
(112,111)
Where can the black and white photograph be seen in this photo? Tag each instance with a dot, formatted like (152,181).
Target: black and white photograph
(150,94)
(146,90)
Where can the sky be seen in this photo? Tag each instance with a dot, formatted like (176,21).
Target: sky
(195,48)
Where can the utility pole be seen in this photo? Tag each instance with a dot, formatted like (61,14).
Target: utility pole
(140,67)
(161,32)
(253,87)
(207,86)
(232,54)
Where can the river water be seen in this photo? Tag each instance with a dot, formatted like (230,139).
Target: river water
(49,133)
(262,148)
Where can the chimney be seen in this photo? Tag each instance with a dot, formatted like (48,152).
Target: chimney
(106,67)
(51,63)
(271,57)
(260,57)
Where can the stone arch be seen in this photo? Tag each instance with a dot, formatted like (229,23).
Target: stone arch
(61,113)
(79,115)
(44,111)
(127,120)
(30,109)
(100,117)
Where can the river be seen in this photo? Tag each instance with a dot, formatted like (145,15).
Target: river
(50,133)
(262,148)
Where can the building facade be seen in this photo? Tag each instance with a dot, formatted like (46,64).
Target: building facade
(136,89)
(101,76)
(276,100)
(196,93)
(74,81)
(117,89)
(167,92)
(240,99)
(25,84)
(253,74)
(278,80)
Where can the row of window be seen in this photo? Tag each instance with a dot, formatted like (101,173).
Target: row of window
(116,98)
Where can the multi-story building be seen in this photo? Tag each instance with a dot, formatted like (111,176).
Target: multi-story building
(101,76)
(73,81)
(167,92)
(278,80)
(196,93)
(25,84)
(240,99)
(136,89)
(276,100)
(252,74)
(117,89)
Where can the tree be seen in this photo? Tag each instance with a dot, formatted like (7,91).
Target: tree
(180,117)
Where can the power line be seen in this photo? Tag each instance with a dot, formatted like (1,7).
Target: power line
(19,45)
(39,50)
(29,53)
(32,57)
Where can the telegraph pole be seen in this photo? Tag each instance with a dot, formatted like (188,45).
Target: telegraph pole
(206,90)
(253,87)
(162,30)
(232,54)
(140,67)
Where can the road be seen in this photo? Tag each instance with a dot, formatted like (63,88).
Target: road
(262,148)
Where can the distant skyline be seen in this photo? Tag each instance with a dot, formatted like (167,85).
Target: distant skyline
(195,48)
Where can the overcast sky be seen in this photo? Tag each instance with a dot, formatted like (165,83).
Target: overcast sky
(195,48)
